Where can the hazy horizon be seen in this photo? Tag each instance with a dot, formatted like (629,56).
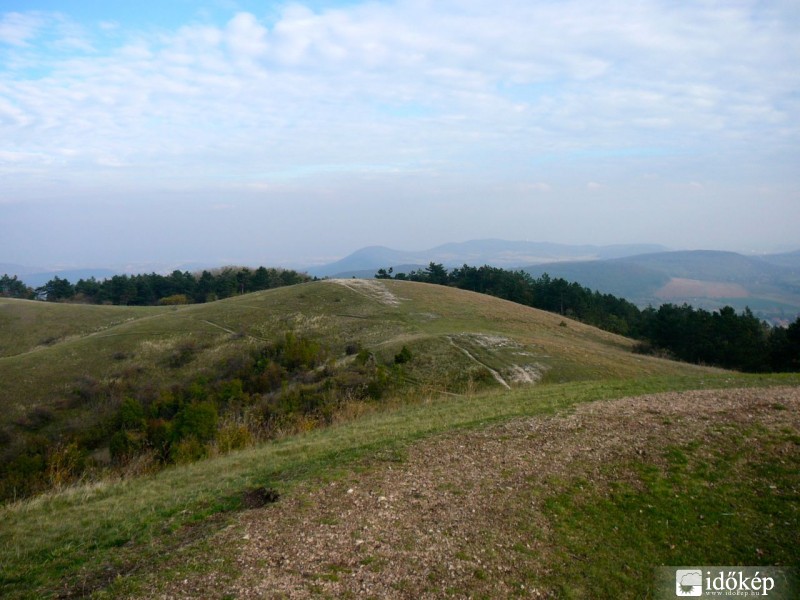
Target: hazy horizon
(290,134)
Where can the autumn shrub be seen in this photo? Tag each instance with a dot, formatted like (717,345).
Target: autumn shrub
(188,450)
(233,436)
(65,464)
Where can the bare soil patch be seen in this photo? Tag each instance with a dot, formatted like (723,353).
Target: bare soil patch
(448,520)
(371,288)
(695,288)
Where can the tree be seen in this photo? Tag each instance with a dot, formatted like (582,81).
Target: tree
(11,287)
(436,273)
(58,289)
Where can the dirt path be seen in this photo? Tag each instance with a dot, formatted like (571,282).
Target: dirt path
(472,357)
(451,509)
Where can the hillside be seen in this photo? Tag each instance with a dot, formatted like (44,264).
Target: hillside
(380,501)
(703,278)
(50,348)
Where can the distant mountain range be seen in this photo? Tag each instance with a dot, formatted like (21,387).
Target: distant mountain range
(498,253)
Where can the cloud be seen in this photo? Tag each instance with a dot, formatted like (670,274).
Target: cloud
(463,95)
(18,29)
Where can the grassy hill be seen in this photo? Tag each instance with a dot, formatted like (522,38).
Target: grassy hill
(49,349)
(477,363)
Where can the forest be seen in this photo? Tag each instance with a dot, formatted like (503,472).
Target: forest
(154,289)
(722,338)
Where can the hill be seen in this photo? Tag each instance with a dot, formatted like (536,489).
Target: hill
(479,421)
(52,350)
(703,278)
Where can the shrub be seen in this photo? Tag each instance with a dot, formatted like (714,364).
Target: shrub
(182,355)
(125,445)
(189,450)
(65,463)
(403,356)
(233,436)
(364,356)
(131,415)
(174,300)
(36,418)
(198,421)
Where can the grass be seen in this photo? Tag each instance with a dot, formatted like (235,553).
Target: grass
(738,506)
(87,538)
(26,325)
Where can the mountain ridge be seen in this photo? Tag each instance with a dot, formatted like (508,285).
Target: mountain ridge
(497,252)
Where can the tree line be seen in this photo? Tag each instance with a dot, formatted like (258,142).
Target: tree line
(152,289)
(721,338)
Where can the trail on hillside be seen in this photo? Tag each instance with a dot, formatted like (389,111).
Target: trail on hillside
(472,357)
(421,527)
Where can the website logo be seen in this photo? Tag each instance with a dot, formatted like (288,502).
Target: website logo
(688,582)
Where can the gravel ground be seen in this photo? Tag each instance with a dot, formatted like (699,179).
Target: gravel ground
(449,513)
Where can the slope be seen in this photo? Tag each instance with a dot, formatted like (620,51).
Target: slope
(456,336)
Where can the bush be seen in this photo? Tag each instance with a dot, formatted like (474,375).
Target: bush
(131,415)
(65,464)
(125,445)
(188,451)
(182,355)
(233,437)
(198,421)
(174,300)
(403,356)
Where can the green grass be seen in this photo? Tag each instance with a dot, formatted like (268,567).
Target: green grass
(738,506)
(93,536)
(26,325)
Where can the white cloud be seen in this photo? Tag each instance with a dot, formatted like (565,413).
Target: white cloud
(18,29)
(465,92)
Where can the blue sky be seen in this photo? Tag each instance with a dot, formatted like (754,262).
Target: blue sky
(291,133)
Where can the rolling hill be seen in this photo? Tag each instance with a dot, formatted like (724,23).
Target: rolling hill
(702,278)
(513,439)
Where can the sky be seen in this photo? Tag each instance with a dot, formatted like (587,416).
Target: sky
(247,132)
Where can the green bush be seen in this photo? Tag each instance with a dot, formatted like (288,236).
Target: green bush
(131,415)
(198,421)
(125,445)
(403,356)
